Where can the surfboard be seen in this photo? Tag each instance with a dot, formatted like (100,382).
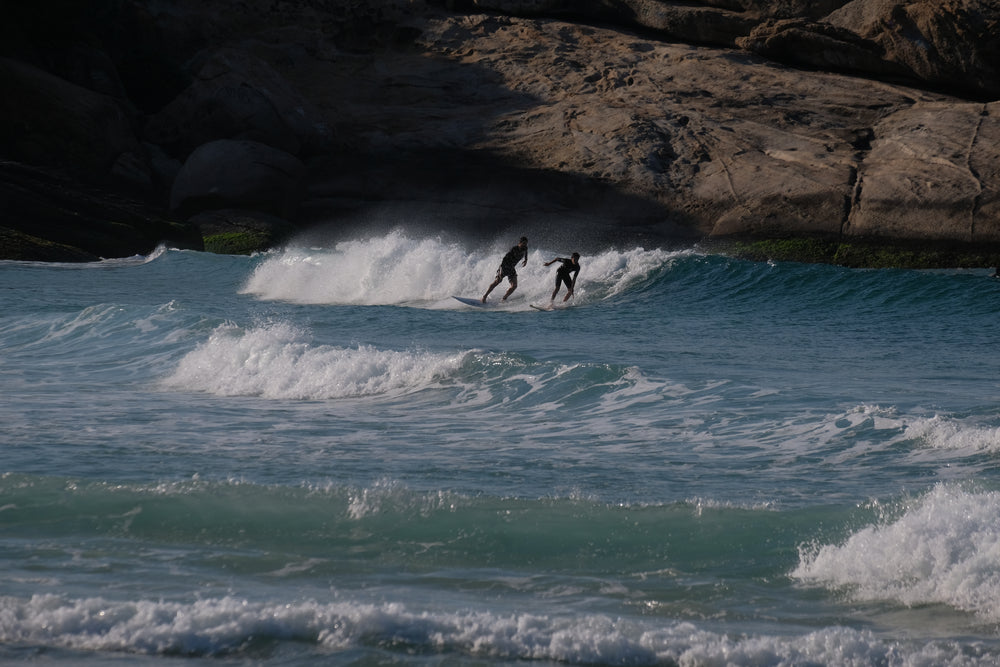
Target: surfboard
(542,308)
(472,302)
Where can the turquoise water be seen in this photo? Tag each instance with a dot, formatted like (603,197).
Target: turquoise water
(317,455)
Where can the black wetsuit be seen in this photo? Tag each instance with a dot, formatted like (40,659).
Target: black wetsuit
(508,265)
(562,273)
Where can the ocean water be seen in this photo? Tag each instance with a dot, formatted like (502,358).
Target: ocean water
(317,456)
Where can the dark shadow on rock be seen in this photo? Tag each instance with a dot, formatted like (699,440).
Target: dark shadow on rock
(51,217)
(478,196)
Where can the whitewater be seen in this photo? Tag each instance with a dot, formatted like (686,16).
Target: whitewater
(317,455)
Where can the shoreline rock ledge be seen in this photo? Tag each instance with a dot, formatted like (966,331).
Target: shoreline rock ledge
(859,132)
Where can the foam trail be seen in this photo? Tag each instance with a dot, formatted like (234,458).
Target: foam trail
(397,270)
(278,361)
(944,549)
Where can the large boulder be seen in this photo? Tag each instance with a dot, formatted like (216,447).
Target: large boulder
(236,95)
(239,174)
(948,44)
(945,45)
(722,142)
(933,174)
(822,46)
(719,22)
(48,121)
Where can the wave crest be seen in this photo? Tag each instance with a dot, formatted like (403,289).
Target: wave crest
(278,361)
(943,549)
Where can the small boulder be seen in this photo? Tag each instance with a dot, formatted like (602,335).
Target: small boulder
(238,174)
(236,232)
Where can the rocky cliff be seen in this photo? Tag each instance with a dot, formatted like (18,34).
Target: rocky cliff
(823,130)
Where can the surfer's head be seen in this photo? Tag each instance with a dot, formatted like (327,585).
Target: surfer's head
(575,256)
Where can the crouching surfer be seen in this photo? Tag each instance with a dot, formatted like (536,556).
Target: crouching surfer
(566,274)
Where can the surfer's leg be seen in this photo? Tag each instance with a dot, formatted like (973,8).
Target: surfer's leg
(559,282)
(492,285)
(513,286)
(569,288)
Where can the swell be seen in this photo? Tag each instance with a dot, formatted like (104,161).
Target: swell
(819,288)
(941,539)
(389,526)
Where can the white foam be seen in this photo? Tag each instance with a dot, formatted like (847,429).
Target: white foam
(944,548)
(278,361)
(224,626)
(389,270)
(387,494)
(397,270)
(946,433)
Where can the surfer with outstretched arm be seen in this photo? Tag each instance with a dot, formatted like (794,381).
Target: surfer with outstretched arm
(569,266)
(508,267)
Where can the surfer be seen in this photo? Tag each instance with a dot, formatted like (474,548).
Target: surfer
(508,267)
(569,266)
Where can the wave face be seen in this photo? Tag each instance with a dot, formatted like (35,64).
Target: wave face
(318,455)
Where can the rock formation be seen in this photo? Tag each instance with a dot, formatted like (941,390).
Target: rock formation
(869,122)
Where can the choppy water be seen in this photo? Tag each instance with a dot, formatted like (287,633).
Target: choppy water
(317,455)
